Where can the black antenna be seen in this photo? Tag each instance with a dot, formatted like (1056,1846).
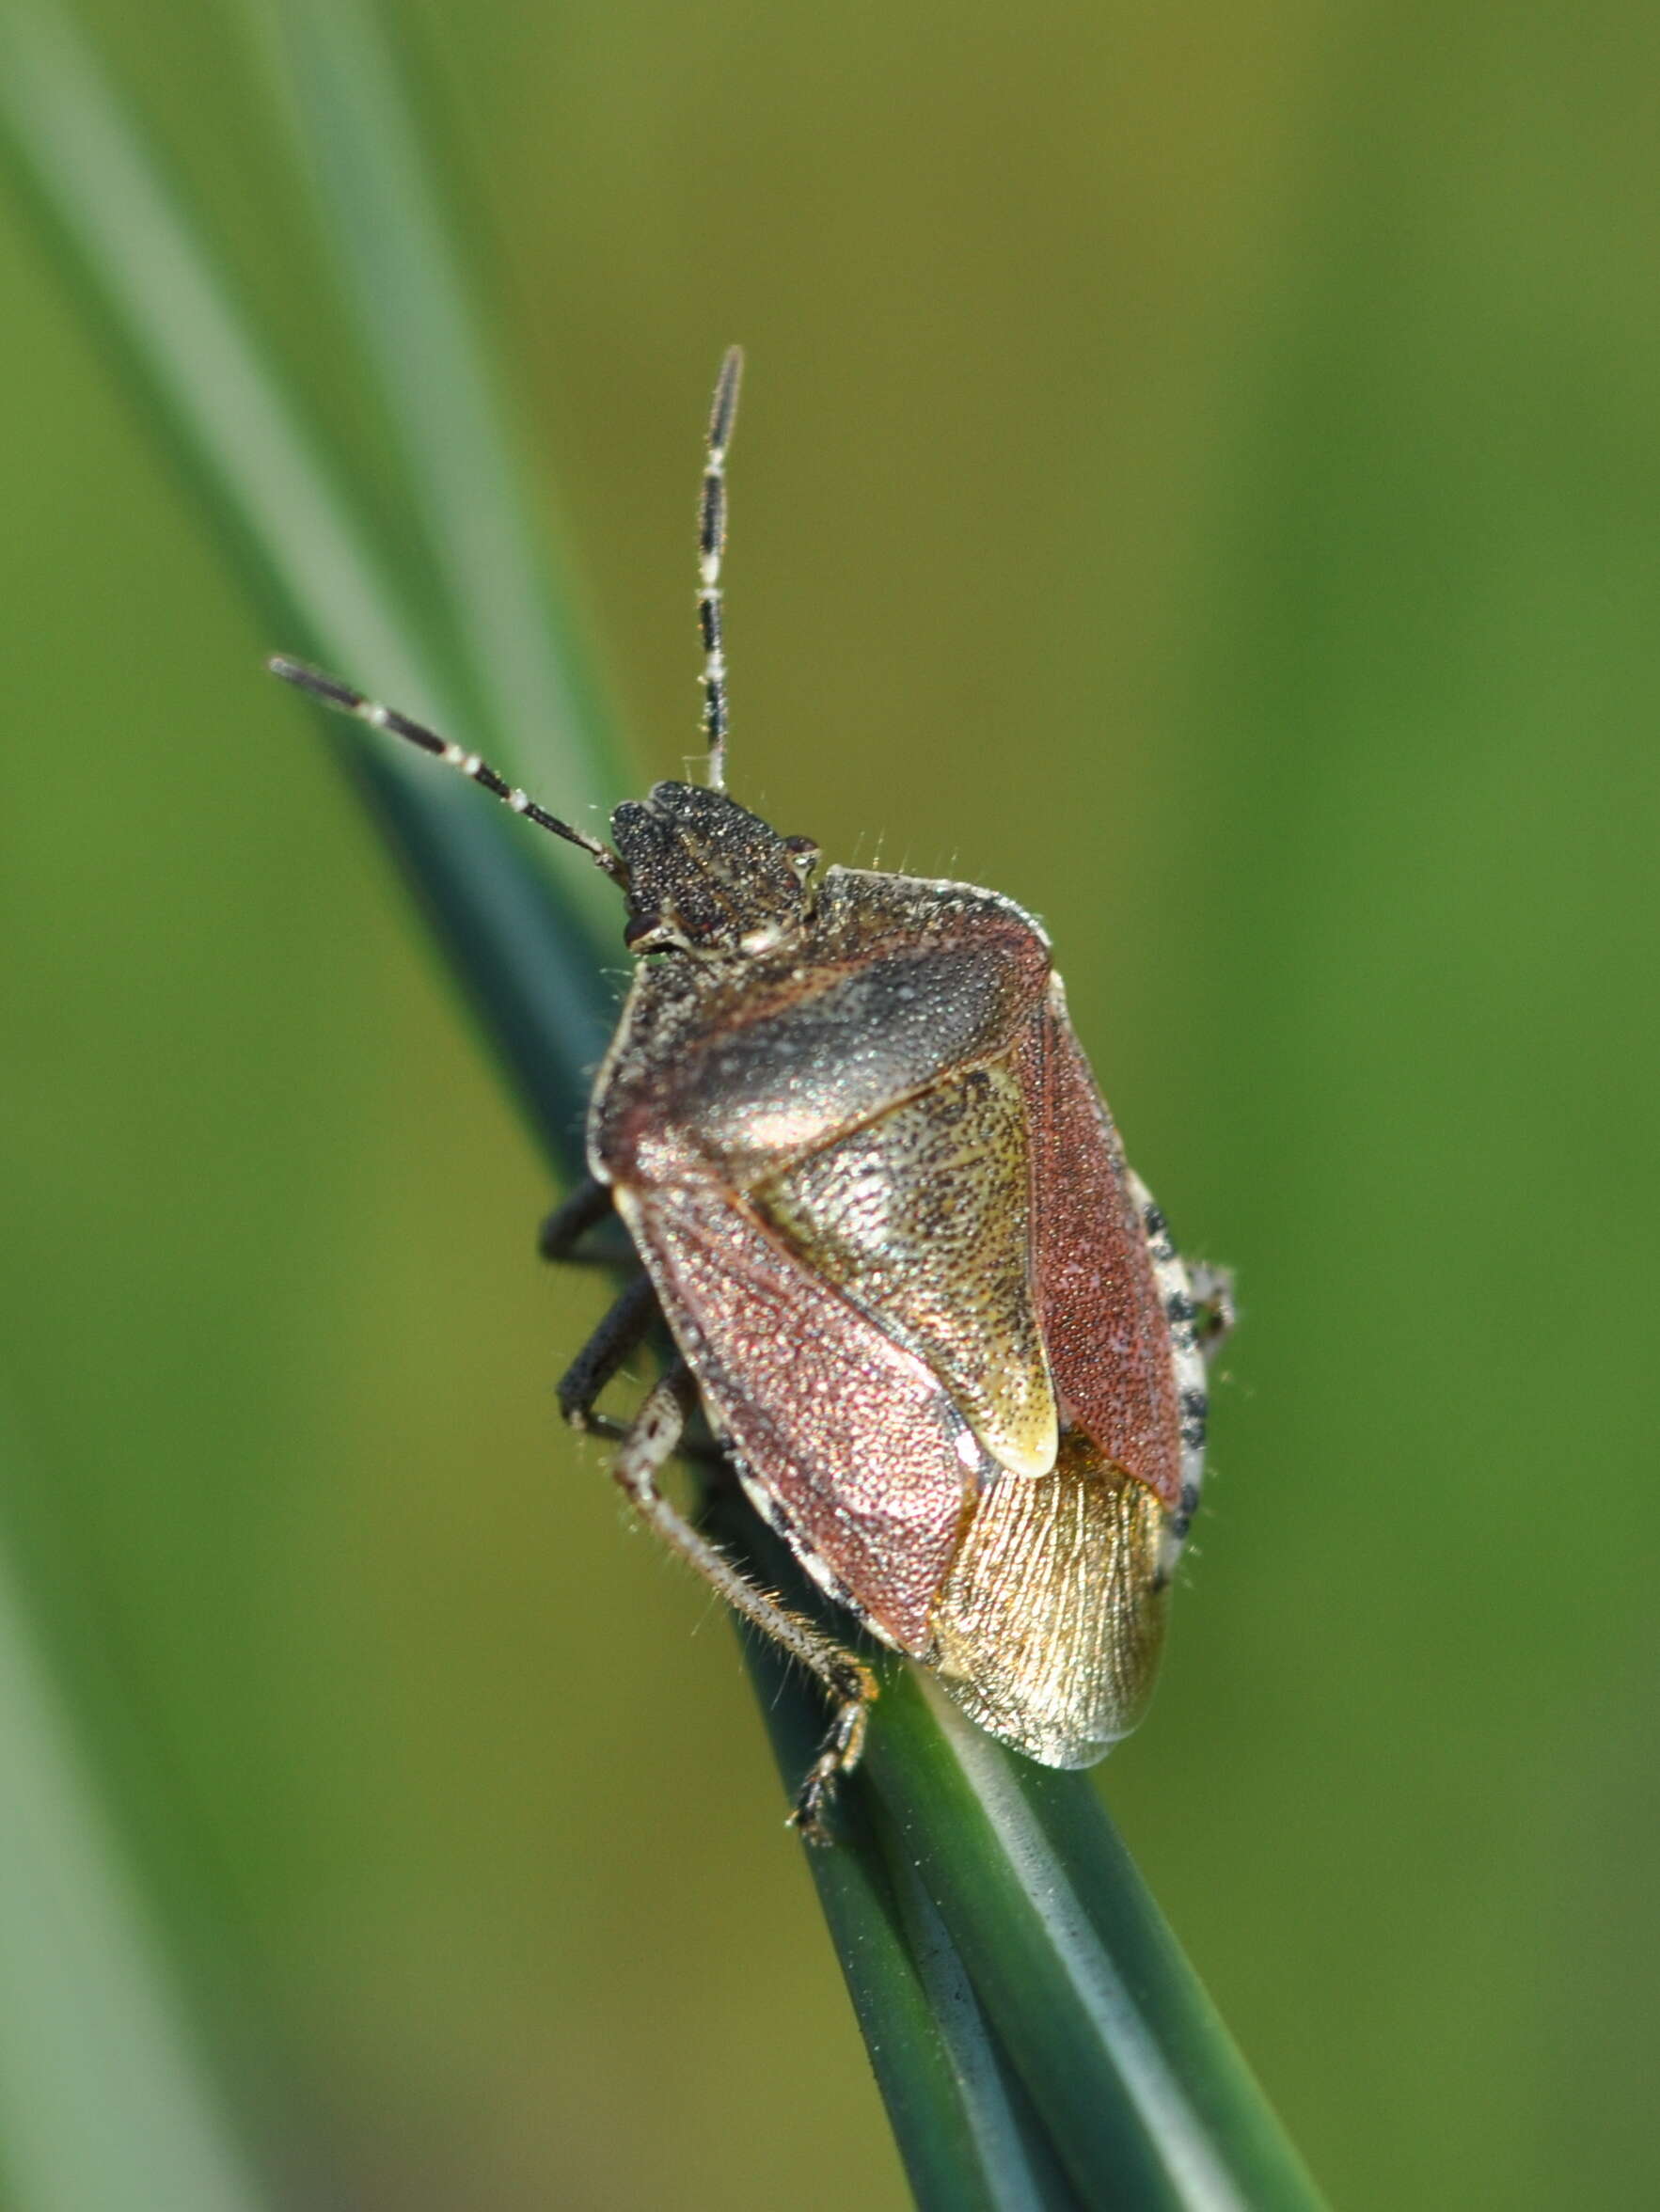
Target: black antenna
(334,693)
(711,545)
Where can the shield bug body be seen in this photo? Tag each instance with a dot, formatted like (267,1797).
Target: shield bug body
(931,1317)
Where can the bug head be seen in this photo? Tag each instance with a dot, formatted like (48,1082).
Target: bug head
(701,874)
(706,876)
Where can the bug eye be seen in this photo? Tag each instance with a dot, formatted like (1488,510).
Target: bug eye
(803,854)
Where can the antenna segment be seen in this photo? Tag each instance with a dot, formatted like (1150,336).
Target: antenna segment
(335,694)
(711,547)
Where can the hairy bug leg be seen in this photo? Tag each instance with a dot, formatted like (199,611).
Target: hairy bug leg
(652,1436)
(624,1327)
(1213,1305)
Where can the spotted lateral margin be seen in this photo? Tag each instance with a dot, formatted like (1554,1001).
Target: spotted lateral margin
(1192,1394)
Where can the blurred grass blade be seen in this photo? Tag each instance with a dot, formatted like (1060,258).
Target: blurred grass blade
(526,952)
(104,2100)
(408,295)
(1139,2083)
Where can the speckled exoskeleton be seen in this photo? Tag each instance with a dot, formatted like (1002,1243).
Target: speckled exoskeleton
(934,1321)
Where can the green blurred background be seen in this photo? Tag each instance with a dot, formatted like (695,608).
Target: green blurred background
(1198,473)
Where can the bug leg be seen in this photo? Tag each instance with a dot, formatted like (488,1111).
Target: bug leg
(839,1753)
(652,1436)
(585,1207)
(1213,1305)
(624,1328)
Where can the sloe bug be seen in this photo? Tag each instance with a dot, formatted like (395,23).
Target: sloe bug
(932,1317)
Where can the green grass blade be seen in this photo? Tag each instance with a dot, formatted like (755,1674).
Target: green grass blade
(969,2137)
(1009,2135)
(104,2098)
(1138,2081)
(409,298)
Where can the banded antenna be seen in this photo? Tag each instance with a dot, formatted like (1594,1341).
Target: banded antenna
(335,694)
(711,547)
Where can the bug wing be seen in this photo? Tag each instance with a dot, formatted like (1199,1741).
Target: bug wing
(1105,1321)
(848,1435)
(1049,1623)
(921,1218)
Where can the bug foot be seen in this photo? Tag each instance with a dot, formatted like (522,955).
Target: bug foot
(838,1755)
(812,1801)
